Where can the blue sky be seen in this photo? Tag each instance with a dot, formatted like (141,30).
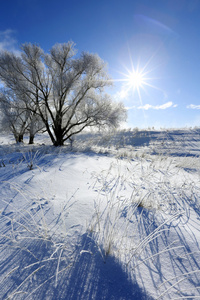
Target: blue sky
(158,38)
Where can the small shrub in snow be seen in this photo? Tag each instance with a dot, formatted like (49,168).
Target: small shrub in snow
(31,159)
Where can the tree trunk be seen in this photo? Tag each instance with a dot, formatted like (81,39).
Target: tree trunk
(59,138)
(59,141)
(19,138)
(31,139)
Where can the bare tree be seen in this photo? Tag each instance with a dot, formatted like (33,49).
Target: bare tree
(15,117)
(67,92)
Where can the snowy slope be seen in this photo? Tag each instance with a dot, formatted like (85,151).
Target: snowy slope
(115,218)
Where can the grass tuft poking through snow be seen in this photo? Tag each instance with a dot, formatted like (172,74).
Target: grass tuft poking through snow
(31,159)
(116,217)
(30,235)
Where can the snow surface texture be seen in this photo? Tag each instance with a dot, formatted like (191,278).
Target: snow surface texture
(115,217)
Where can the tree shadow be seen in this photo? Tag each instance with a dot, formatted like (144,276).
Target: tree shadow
(92,277)
(87,277)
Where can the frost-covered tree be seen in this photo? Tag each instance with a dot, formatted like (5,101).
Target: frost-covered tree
(66,91)
(17,118)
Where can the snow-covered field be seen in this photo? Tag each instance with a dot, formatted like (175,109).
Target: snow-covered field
(115,217)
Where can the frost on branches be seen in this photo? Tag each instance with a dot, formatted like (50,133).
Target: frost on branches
(66,92)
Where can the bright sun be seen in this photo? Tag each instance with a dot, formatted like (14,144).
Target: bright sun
(136,79)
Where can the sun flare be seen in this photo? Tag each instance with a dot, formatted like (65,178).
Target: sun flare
(135,79)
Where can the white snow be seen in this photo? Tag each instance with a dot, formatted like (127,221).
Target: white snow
(116,217)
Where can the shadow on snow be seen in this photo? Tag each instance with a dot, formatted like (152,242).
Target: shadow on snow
(86,277)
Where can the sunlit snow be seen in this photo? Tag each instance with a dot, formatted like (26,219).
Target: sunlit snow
(115,217)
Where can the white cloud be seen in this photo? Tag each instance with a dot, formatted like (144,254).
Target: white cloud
(130,107)
(157,107)
(192,106)
(146,106)
(7,41)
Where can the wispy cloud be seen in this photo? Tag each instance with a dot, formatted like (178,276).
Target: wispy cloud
(157,107)
(130,107)
(8,41)
(192,106)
